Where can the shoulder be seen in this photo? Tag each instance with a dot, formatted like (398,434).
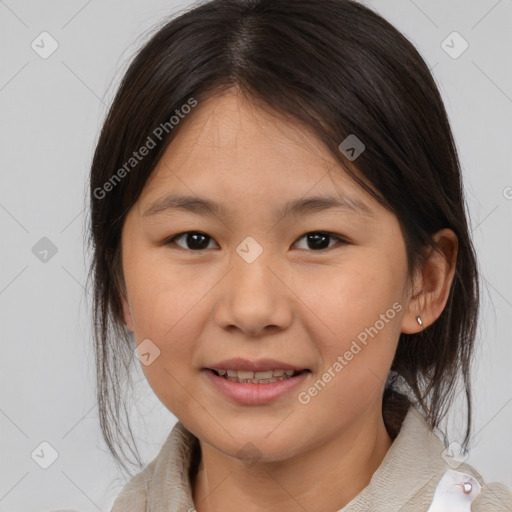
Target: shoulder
(493,496)
(133,495)
(167,471)
(447,474)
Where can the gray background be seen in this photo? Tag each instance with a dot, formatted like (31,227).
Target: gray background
(52,111)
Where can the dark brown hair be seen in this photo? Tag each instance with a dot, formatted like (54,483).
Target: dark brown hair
(338,68)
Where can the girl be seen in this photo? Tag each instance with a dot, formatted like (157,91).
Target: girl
(280,238)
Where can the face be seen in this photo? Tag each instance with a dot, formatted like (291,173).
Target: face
(256,285)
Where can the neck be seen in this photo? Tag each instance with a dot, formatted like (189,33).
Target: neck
(327,477)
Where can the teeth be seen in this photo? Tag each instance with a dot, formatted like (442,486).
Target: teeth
(262,375)
(265,377)
(243,375)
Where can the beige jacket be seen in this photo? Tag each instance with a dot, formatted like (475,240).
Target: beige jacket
(416,475)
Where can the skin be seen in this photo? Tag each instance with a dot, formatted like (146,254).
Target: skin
(294,303)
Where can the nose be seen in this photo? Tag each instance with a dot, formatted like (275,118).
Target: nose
(254,298)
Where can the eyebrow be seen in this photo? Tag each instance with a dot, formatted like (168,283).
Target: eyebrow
(302,206)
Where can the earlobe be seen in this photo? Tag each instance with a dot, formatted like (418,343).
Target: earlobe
(416,316)
(426,305)
(128,320)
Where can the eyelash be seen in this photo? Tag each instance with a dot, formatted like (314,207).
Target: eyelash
(341,240)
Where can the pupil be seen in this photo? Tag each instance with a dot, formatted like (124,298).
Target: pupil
(195,243)
(318,240)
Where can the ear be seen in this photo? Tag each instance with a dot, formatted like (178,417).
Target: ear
(128,319)
(431,287)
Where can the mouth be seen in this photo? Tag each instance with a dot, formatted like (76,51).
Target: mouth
(254,377)
(257,386)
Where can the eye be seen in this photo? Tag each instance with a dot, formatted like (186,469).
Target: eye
(194,240)
(319,240)
(197,241)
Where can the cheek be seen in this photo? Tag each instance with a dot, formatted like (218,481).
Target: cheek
(351,297)
(163,296)
(170,306)
(170,320)
(168,316)
(360,304)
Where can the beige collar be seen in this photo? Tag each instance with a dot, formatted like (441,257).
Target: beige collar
(406,480)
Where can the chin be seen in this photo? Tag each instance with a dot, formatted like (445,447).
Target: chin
(258,446)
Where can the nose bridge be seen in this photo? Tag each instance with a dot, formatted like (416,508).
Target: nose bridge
(251,268)
(253,298)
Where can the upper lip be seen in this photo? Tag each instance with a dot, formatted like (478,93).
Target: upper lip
(260,365)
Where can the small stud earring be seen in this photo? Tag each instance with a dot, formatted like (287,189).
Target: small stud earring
(419,320)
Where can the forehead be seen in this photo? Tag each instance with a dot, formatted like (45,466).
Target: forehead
(234,120)
(232,146)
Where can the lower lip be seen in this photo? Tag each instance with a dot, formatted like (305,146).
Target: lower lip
(254,394)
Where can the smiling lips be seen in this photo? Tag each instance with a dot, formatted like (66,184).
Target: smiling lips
(254,383)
